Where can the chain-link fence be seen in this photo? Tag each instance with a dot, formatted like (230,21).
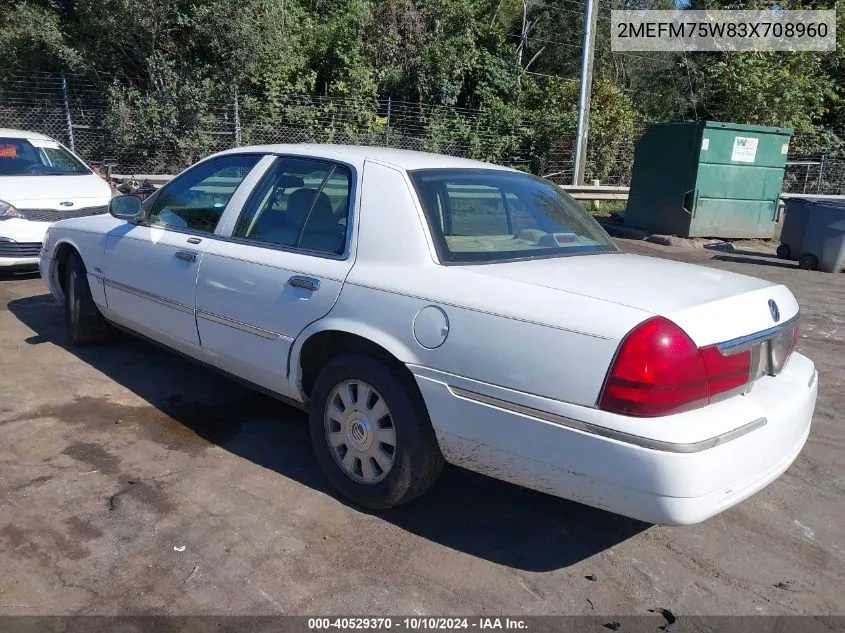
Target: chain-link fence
(84,114)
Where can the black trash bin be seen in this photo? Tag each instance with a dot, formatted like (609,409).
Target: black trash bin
(795,218)
(824,240)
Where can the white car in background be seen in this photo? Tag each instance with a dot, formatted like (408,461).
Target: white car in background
(426,308)
(41,182)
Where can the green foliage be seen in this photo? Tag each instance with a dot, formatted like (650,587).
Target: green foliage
(780,89)
(164,125)
(31,37)
(323,70)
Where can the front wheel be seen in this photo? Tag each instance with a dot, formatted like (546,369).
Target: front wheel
(85,324)
(371,433)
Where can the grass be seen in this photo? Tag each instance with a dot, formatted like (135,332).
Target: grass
(602,209)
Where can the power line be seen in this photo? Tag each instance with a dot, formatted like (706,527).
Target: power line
(561,9)
(544,41)
(577,3)
(529,72)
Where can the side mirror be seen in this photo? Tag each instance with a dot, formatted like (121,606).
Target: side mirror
(126,208)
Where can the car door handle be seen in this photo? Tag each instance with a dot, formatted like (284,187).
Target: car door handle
(309,283)
(188,256)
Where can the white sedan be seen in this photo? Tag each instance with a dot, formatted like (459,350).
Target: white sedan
(428,309)
(41,182)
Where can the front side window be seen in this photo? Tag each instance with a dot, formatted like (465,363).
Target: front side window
(37,157)
(300,203)
(488,215)
(197,199)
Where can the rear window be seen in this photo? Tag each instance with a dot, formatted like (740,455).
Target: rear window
(488,215)
(37,157)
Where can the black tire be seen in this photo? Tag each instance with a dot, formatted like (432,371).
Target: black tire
(783,251)
(417,459)
(85,324)
(808,262)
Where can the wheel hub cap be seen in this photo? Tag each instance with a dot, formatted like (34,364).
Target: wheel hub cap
(360,432)
(360,435)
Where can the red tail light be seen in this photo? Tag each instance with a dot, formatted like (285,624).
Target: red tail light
(658,370)
(725,372)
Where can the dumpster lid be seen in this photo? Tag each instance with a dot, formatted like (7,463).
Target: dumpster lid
(744,127)
(722,125)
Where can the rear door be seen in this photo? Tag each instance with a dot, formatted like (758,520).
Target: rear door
(150,267)
(280,268)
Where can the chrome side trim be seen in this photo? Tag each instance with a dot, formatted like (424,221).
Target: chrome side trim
(243,327)
(747,342)
(208,316)
(465,307)
(670,447)
(149,296)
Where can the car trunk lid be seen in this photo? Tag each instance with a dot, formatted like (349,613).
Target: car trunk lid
(712,306)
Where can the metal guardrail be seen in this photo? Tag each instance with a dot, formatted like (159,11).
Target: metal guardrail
(812,196)
(586,193)
(601,193)
(579,192)
(155,179)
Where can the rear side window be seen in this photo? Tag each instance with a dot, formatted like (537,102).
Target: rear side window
(197,199)
(488,215)
(300,203)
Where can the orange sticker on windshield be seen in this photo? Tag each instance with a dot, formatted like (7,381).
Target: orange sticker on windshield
(8,151)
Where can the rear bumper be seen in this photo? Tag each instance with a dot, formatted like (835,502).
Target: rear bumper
(670,487)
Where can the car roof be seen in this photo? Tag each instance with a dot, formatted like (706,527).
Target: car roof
(402,158)
(10,133)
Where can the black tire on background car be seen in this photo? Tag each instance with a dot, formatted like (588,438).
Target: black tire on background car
(808,262)
(85,324)
(783,251)
(371,432)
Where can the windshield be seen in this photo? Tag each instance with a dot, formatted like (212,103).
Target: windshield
(36,157)
(488,215)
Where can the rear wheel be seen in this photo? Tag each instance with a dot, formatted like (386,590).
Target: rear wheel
(783,251)
(85,324)
(371,433)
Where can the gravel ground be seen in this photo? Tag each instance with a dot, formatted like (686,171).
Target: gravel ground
(134,482)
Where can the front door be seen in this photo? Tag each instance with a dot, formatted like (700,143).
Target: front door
(151,267)
(281,269)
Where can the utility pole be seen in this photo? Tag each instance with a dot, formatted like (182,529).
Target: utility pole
(586,86)
(68,120)
(237,119)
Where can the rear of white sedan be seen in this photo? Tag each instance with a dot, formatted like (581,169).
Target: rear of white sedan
(643,451)
(658,390)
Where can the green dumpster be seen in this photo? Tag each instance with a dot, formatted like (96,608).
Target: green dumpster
(708,179)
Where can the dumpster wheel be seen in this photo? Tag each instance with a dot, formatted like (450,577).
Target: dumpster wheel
(808,262)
